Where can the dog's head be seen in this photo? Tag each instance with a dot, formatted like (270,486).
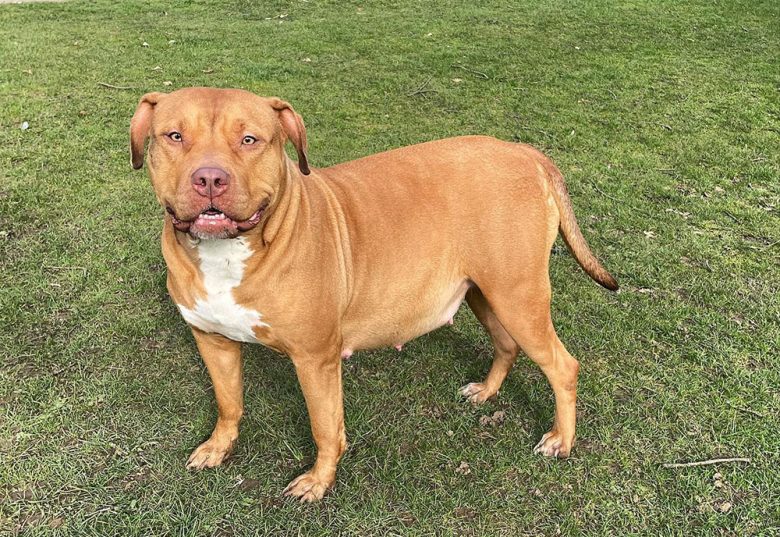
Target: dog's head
(216,156)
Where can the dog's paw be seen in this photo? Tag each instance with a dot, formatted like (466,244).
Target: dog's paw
(308,487)
(476,393)
(553,444)
(209,454)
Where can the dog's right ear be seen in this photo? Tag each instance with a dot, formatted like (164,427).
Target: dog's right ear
(140,126)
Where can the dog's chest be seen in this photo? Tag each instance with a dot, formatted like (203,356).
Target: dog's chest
(222,264)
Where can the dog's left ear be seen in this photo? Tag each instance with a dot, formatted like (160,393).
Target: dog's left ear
(140,126)
(293,128)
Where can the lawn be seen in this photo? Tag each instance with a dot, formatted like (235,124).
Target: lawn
(663,116)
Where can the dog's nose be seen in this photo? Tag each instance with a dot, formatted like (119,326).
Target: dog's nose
(210,182)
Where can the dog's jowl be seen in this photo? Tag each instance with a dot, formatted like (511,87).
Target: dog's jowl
(319,263)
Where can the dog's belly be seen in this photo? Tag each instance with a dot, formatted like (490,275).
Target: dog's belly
(396,320)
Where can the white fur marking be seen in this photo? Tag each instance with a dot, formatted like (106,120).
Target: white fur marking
(222,265)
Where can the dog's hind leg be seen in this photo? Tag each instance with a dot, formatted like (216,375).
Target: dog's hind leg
(504,354)
(524,311)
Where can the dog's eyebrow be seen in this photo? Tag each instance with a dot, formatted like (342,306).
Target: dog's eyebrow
(168,126)
(242,126)
(165,130)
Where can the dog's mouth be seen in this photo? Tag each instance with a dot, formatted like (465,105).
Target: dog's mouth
(212,223)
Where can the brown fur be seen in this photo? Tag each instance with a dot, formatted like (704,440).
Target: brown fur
(364,254)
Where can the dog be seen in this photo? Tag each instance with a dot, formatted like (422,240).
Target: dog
(318,263)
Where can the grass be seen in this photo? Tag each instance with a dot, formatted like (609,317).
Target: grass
(664,117)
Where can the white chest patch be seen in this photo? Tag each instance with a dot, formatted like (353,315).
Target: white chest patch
(222,263)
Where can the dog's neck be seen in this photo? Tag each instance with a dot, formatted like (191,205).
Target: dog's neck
(282,212)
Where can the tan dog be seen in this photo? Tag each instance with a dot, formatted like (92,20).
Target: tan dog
(370,253)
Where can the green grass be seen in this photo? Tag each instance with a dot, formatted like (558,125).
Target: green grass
(665,119)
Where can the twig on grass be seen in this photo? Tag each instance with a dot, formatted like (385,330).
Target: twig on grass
(54,267)
(83,270)
(748,410)
(731,215)
(470,70)
(604,193)
(704,463)
(768,246)
(106,85)
(423,88)
(613,198)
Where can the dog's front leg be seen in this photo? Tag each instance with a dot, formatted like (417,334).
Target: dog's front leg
(222,357)
(320,379)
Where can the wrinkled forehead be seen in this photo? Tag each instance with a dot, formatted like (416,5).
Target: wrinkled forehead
(214,109)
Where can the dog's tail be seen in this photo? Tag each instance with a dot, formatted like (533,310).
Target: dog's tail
(571,230)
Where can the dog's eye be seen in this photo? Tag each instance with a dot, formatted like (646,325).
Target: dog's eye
(175,136)
(248,140)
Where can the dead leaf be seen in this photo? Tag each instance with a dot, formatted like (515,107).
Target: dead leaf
(407,519)
(21,494)
(495,420)
(406,448)
(463,469)
(249,484)
(725,507)
(433,411)
(684,214)
(465,512)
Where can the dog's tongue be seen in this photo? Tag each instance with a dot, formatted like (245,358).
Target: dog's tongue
(181,226)
(251,222)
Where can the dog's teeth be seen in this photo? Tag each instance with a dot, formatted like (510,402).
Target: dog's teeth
(219,216)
